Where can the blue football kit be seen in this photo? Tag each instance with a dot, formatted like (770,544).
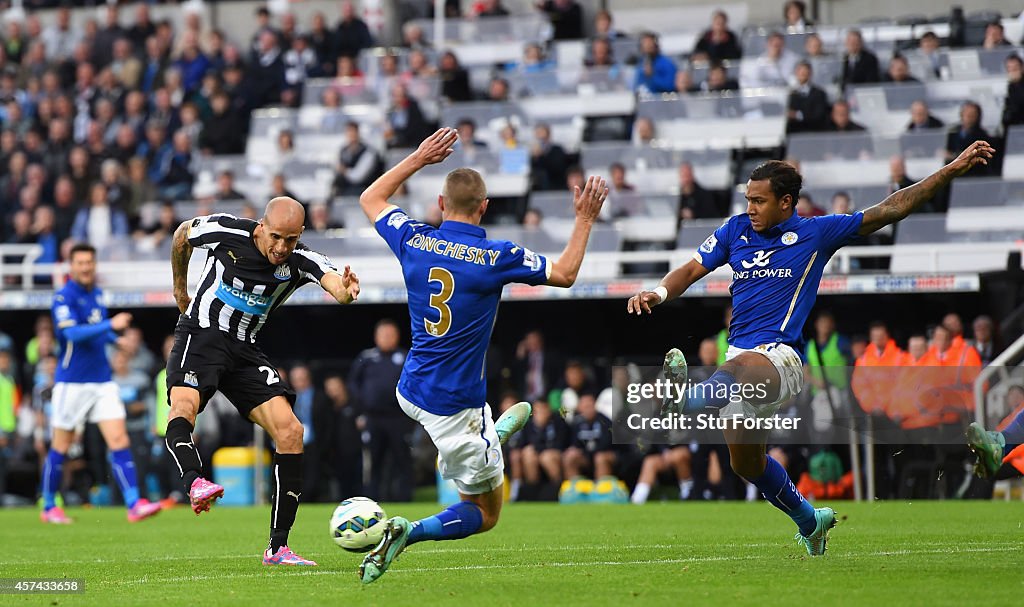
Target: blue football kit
(775,273)
(775,283)
(83,331)
(83,390)
(454,276)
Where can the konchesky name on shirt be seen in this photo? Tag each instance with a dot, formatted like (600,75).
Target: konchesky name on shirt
(456,250)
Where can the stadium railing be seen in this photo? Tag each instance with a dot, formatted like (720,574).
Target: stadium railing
(1005,370)
(144,275)
(18,261)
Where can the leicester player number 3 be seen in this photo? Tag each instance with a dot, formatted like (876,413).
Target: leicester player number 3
(438,301)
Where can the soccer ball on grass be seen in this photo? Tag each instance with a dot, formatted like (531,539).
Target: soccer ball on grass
(357,524)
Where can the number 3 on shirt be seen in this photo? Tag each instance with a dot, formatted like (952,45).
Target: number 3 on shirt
(439,301)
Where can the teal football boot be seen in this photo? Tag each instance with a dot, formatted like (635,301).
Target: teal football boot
(676,372)
(815,542)
(988,446)
(512,420)
(396,535)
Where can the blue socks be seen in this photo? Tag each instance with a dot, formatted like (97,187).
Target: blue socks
(714,392)
(1014,434)
(123,467)
(456,522)
(52,470)
(779,490)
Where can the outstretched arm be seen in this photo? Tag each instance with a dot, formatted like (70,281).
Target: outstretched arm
(343,287)
(672,286)
(903,202)
(588,206)
(181,252)
(434,149)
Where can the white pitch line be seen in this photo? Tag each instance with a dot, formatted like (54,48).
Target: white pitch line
(541,565)
(524,548)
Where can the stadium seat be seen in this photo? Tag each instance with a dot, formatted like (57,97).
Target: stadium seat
(532,27)
(843,173)
(498,185)
(679,18)
(923,144)
(922,229)
(712,168)
(951,237)
(1013,160)
(599,103)
(485,115)
(861,196)
(646,228)
(992,222)
(693,233)
(828,146)
(187,209)
(987,192)
(556,205)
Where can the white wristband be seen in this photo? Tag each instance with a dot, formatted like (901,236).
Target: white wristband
(662,293)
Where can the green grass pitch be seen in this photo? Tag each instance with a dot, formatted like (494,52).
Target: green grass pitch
(895,553)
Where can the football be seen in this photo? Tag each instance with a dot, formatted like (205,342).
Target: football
(357,524)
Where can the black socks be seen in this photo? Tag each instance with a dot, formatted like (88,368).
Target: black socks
(178,439)
(287,489)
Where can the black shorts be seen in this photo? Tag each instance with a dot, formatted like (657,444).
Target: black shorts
(208,360)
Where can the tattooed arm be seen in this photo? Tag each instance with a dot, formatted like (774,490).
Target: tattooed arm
(901,203)
(181,252)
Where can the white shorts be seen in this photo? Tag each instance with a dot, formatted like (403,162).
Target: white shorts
(74,404)
(791,371)
(468,450)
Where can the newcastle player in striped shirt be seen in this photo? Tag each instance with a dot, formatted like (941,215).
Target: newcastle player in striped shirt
(251,268)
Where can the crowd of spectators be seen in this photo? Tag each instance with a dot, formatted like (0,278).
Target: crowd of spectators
(918,401)
(98,121)
(913,395)
(102,119)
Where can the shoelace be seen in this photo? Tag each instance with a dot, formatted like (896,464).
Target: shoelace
(803,540)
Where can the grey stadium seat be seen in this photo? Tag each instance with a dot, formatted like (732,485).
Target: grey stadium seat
(918,229)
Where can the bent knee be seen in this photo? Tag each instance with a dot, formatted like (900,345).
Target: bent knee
(184,407)
(488,523)
(288,436)
(748,470)
(489,520)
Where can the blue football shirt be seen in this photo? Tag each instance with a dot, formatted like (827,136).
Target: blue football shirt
(454,277)
(775,274)
(83,331)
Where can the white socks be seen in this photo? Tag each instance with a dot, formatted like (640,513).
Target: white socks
(640,493)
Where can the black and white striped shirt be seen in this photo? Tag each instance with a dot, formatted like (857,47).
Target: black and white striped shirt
(239,286)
